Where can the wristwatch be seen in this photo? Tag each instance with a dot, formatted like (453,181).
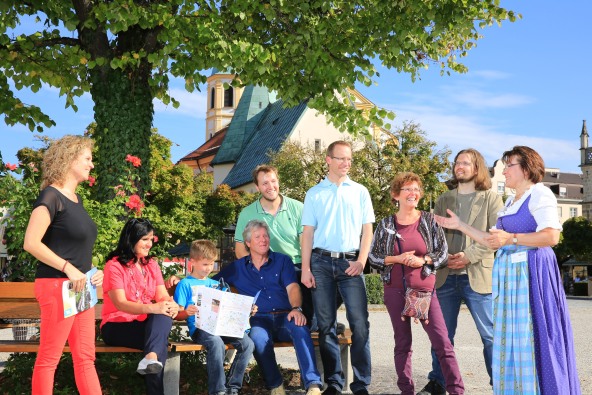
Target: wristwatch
(297,308)
(515,239)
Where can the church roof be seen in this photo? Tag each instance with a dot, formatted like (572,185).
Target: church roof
(208,148)
(276,123)
(247,116)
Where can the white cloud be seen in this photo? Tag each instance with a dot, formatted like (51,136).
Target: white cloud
(192,104)
(480,99)
(490,74)
(489,136)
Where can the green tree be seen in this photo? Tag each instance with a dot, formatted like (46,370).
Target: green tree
(575,240)
(124,52)
(375,164)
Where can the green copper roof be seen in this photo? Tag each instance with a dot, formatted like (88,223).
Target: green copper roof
(248,114)
(275,126)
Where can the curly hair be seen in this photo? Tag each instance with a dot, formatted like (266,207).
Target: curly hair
(59,157)
(405,178)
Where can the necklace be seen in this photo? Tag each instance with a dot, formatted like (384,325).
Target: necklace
(139,281)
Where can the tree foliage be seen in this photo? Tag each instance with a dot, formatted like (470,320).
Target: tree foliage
(575,240)
(375,164)
(124,52)
(176,206)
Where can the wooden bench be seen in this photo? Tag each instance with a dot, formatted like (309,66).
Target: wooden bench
(17,301)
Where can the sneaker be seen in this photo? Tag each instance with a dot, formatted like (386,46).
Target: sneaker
(149,366)
(340,328)
(313,390)
(278,390)
(331,391)
(432,388)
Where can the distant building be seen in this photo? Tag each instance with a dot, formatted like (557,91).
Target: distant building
(244,126)
(568,188)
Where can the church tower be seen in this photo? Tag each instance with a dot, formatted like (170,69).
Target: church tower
(221,102)
(586,166)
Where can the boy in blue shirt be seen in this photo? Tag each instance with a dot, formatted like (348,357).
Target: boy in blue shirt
(202,255)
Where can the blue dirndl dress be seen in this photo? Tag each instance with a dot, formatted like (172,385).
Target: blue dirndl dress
(533,349)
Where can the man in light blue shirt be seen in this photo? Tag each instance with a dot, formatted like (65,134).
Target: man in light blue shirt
(337,220)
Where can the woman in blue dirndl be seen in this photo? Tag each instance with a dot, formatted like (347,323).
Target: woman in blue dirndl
(533,350)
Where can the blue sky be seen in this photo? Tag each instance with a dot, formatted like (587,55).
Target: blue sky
(529,83)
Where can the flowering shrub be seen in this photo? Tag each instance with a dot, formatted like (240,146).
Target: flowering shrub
(177,217)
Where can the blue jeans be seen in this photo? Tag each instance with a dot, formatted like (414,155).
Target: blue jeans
(450,294)
(267,328)
(215,360)
(330,278)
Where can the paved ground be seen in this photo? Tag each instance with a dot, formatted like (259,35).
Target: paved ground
(468,350)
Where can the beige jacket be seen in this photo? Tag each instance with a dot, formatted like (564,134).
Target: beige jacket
(483,216)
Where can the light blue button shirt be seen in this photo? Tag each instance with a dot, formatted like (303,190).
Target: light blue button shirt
(337,214)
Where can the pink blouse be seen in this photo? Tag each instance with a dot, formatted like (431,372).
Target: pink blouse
(139,287)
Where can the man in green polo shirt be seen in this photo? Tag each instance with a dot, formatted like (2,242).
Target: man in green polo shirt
(281,213)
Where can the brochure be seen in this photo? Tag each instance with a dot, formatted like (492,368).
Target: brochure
(221,313)
(76,302)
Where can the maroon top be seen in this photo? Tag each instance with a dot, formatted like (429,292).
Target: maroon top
(410,240)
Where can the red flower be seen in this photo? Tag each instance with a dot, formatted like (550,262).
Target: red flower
(134,160)
(155,239)
(91,181)
(11,166)
(135,203)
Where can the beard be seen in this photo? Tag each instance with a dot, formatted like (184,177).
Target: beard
(465,180)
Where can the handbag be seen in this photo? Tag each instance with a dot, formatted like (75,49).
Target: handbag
(417,303)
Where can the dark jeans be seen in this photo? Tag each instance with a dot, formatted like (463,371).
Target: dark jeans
(151,335)
(331,280)
(307,304)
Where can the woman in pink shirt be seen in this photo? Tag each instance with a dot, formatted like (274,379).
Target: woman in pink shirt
(138,312)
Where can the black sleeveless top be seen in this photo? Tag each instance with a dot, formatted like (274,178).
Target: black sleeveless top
(70,235)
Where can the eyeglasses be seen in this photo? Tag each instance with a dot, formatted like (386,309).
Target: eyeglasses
(409,190)
(464,164)
(343,159)
(507,166)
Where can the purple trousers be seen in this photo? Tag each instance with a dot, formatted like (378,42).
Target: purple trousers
(394,299)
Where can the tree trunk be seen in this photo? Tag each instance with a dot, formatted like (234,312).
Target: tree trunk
(123,113)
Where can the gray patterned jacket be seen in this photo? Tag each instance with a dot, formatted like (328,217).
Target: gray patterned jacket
(384,241)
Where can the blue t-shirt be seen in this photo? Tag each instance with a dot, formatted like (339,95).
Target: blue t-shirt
(272,279)
(337,214)
(184,295)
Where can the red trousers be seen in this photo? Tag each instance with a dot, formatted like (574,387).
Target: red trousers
(79,330)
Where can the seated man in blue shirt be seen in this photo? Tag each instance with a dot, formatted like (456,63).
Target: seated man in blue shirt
(279,316)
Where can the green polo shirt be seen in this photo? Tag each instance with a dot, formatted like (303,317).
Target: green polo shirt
(284,227)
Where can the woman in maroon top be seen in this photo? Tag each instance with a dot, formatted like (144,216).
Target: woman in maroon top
(410,244)
(61,236)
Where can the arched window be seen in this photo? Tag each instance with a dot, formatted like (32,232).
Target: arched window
(212,98)
(229,97)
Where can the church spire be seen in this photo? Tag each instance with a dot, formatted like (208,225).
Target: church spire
(584,144)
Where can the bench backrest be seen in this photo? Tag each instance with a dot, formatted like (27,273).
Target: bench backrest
(17,301)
